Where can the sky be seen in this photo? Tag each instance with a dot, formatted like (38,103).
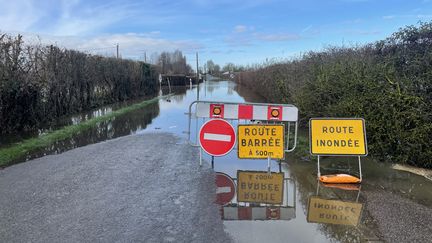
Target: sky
(243,32)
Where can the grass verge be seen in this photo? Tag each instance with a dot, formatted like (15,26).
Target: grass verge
(11,155)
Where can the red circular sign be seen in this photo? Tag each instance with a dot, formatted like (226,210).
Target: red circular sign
(217,137)
(225,188)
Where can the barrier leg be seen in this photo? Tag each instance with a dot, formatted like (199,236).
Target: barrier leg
(360,169)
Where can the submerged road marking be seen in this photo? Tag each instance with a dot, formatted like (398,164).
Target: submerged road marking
(217,137)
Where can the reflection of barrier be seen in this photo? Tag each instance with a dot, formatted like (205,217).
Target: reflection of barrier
(257,213)
(264,211)
(331,211)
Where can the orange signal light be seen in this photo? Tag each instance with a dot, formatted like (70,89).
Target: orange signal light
(275,113)
(217,110)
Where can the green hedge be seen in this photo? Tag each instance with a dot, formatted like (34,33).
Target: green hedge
(39,84)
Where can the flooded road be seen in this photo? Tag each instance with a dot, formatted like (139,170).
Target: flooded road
(308,204)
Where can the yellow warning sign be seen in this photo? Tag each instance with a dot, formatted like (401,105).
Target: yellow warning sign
(333,211)
(260,187)
(261,141)
(334,136)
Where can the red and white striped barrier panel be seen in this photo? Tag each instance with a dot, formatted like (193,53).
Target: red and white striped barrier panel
(247,111)
(257,213)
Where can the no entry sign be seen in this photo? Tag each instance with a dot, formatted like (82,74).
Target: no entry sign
(217,137)
(225,188)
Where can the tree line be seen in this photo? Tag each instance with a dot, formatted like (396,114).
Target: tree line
(39,84)
(389,83)
(171,63)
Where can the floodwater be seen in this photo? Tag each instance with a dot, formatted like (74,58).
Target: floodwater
(304,201)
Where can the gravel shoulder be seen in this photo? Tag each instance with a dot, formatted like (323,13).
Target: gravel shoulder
(399,219)
(138,188)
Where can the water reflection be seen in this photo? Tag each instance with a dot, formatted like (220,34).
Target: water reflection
(115,127)
(328,210)
(277,200)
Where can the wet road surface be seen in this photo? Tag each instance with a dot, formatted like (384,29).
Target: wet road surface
(138,188)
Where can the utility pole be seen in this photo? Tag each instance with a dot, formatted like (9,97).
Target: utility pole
(197,76)
(145,57)
(117,50)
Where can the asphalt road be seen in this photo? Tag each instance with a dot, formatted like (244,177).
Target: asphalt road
(139,188)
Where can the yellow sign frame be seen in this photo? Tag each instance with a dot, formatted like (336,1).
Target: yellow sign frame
(360,138)
(334,206)
(243,152)
(256,177)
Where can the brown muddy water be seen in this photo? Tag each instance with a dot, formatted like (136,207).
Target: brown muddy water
(303,198)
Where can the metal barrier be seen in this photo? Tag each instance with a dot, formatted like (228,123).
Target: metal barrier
(244,113)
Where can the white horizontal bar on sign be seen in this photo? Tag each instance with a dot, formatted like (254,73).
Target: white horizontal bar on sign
(217,137)
(230,111)
(203,110)
(225,189)
(290,113)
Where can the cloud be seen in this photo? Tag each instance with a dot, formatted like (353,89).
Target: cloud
(131,45)
(240,29)
(277,37)
(245,4)
(80,17)
(411,16)
(362,32)
(18,15)
(306,29)
(245,38)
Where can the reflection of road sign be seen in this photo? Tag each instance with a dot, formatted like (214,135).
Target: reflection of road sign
(333,211)
(333,136)
(257,213)
(261,141)
(217,137)
(260,187)
(225,188)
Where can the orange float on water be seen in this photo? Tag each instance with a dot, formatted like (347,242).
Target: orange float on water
(339,179)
